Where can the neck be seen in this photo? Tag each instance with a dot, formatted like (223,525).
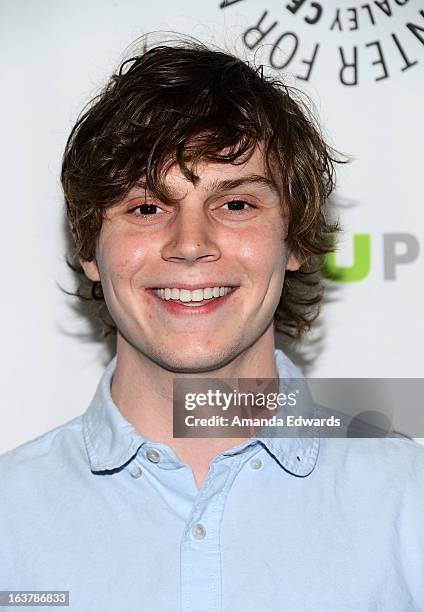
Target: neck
(143,391)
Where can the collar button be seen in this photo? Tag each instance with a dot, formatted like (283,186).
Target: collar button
(153,455)
(136,471)
(255,464)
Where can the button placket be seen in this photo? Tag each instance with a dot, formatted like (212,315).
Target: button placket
(200,549)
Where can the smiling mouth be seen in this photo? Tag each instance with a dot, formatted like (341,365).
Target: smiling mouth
(196,299)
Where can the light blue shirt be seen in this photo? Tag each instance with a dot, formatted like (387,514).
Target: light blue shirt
(279,524)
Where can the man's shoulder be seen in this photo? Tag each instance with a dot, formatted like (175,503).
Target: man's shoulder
(397,450)
(44,454)
(370,443)
(395,462)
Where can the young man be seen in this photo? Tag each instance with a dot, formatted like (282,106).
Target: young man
(195,190)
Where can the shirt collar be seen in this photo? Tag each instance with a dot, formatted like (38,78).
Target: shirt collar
(112,442)
(297,455)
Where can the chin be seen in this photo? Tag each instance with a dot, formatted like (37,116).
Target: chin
(195,359)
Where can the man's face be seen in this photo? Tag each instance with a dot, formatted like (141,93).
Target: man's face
(226,231)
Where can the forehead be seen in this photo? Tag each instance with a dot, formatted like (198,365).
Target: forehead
(211,170)
(214,176)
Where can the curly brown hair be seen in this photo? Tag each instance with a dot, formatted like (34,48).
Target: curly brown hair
(185,102)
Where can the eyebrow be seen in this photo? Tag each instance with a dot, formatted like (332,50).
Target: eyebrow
(250,179)
(228,184)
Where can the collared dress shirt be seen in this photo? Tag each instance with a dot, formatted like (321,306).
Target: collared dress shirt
(279,524)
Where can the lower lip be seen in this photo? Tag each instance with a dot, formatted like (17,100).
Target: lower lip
(202,308)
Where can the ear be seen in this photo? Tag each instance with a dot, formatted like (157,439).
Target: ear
(91,269)
(293,263)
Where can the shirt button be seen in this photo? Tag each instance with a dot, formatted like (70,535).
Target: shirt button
(198,531)
(136,472)
(255,464)
(153,455)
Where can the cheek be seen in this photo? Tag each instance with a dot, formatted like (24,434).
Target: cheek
(119,256)
(263,250)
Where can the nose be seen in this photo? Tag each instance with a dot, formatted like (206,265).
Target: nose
(191,237)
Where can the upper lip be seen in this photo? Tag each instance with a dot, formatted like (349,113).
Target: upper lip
(175,285)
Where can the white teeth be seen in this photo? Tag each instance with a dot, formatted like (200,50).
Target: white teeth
(197,295)
(185,295)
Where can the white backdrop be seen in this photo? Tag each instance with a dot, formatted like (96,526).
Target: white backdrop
(55,55)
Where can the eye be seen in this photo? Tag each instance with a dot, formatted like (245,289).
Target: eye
(146,210)
(238,206)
